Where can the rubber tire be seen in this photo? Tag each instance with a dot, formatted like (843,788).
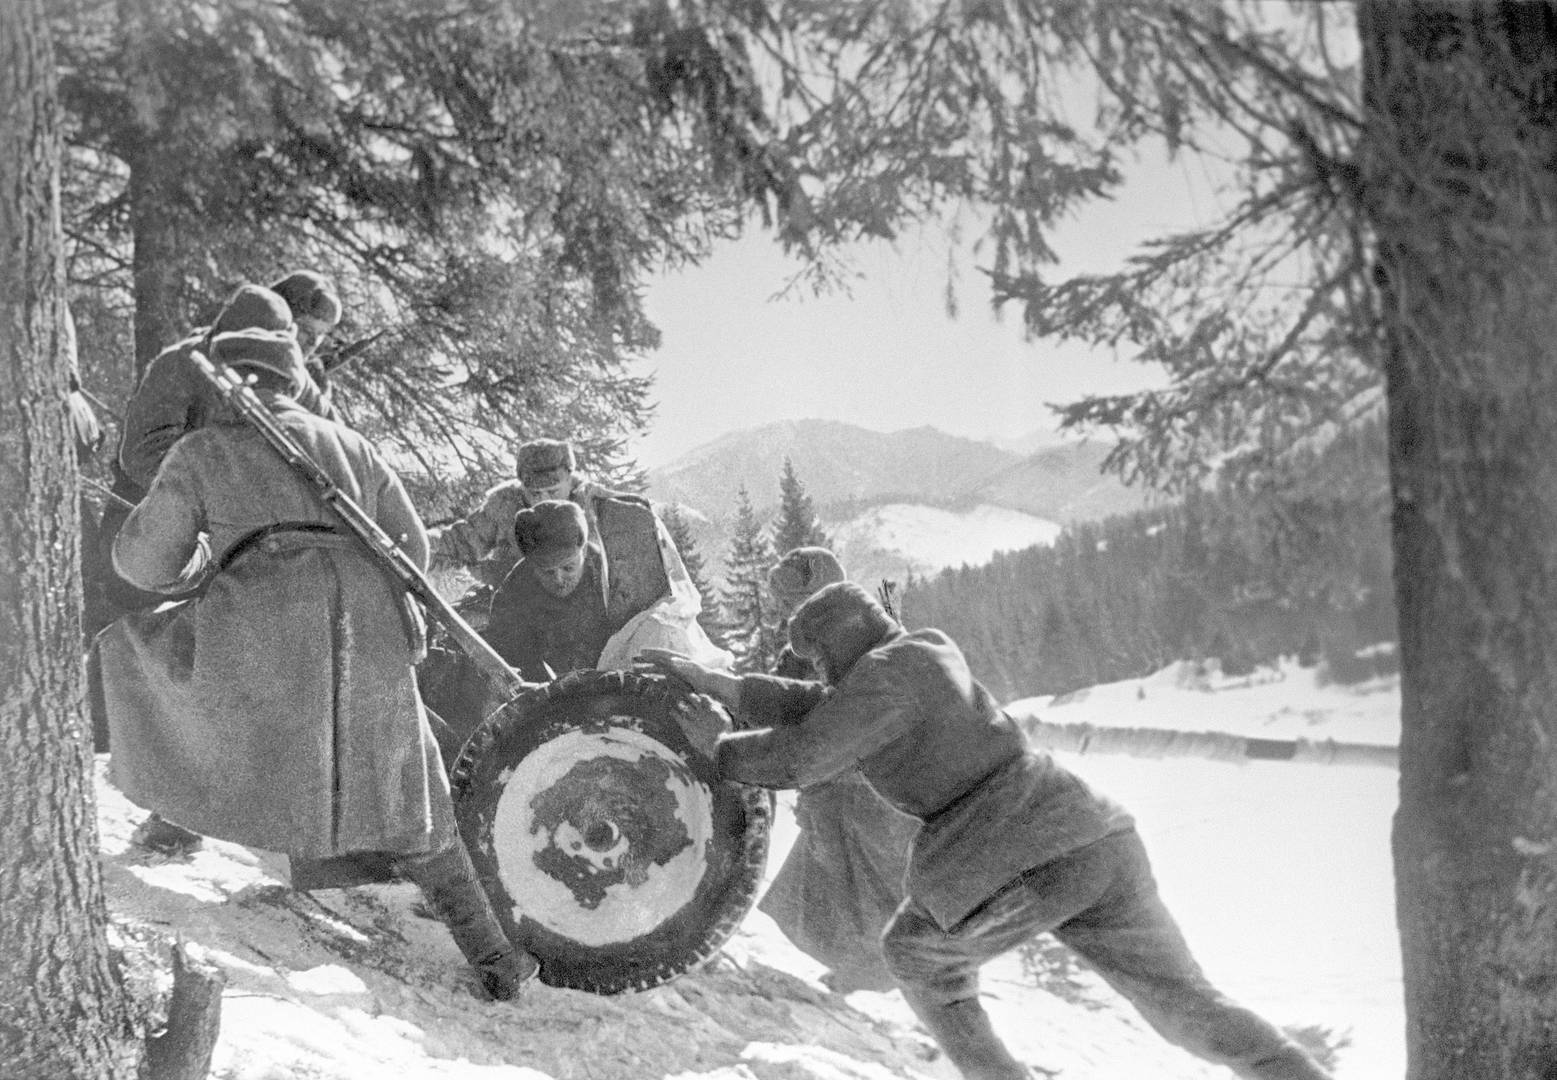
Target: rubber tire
(695,933)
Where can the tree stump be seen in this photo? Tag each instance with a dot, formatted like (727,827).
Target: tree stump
(182,1050)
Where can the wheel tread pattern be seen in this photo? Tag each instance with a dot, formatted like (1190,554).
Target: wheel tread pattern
(472,781)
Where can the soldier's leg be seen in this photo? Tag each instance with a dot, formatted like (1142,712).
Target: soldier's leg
(937,970)
(938,976)
(1129,936)
(455,894)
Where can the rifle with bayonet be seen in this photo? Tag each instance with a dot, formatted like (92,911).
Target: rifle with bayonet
(237,393)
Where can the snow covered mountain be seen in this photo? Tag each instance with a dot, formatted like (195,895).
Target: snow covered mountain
(895,540)
(838,463)
(911,501)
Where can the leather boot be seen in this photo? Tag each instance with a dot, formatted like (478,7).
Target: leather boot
(1290,1063)
(455,895)
(159,834)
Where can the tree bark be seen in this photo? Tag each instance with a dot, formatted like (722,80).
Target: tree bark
(154,188)
(1462,197)
(154,262)
(61,1010)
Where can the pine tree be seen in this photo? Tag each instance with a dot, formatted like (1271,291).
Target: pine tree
(750,631)
(796,525)
(681,534)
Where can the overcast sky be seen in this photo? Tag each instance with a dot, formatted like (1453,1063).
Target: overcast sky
(888,356)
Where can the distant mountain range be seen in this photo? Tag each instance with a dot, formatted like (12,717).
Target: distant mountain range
(905,501)
(1065,483)
(837,462)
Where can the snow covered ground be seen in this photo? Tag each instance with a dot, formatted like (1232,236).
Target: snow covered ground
(1278,872)
(1280,702)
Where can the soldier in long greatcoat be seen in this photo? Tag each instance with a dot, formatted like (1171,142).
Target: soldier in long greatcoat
(279,708)
(172,399)
(842,881)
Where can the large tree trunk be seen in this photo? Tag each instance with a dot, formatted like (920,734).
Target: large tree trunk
(155,183)
(1459,173)
(156,257)
(60,1006)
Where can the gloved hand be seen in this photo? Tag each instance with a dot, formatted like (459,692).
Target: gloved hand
(702,724)
(702,679)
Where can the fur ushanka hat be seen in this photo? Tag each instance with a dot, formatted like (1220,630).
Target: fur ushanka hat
(801,572)
(255,334)
(309,295)
(840,623)
(544,463)
(550,532)
(253,307)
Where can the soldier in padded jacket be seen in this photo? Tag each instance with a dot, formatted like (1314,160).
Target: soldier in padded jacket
(1011,844)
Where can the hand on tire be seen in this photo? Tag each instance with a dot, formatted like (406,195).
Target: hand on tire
(700,677)
(702,726)
(673,664)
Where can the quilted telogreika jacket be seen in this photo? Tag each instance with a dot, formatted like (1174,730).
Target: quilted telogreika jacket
(933,743)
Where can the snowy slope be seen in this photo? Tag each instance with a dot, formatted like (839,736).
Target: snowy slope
(1283,701)
(1279,874)
(901,538)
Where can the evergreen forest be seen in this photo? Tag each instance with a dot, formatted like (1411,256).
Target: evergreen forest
(1296,565)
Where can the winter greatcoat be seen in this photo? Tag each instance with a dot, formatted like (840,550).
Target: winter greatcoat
(842,881)
(279,708)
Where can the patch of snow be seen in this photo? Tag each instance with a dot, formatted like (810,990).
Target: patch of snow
(327,979)
(929,538)
(1284,701)
(816,1061)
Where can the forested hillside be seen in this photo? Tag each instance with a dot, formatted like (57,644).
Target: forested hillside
(908,502)
(1231,574)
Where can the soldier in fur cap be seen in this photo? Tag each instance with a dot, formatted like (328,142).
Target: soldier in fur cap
(549,614)
(249,712)
(316,310)
(484,539)
(641,561)
(1010,843)
(173,399)
(314,306)
(631,562)
(797,575)
(843,877)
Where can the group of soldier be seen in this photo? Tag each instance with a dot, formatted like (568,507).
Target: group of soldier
(277,705)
